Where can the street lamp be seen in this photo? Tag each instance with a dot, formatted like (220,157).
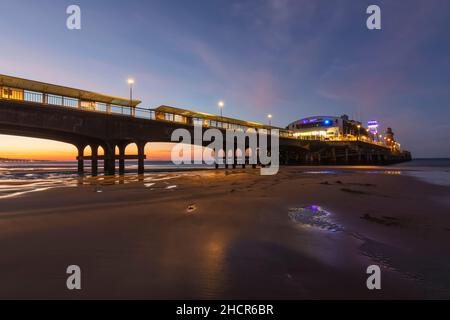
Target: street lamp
(130,83)
(359,130)
(269,116)
(221,104)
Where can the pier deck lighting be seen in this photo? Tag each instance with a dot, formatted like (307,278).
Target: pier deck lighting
(130,83)
(221,105)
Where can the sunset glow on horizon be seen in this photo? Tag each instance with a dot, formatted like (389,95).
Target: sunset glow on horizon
(13,147)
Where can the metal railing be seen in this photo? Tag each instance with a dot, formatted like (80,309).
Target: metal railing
(43,98)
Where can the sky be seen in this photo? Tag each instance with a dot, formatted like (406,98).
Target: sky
(289,58)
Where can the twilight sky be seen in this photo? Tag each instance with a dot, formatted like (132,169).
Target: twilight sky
(290,58)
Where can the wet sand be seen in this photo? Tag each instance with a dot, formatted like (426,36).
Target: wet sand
(230,234)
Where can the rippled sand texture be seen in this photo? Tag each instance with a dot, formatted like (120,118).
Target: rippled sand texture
(305,233)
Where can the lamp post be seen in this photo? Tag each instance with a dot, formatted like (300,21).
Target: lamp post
(359,131)
(221,105)
(130,83)
(269,116)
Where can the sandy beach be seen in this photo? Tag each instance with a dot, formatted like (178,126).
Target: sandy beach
(230,234)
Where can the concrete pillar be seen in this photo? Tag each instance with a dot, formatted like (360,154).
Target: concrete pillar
(233,159)
(216,159)
(94,161)
(122,147)
(333,155)
(141,156)
(80,159)
(346,155)
(110,161)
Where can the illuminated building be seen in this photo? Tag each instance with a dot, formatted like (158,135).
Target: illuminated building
(328,128)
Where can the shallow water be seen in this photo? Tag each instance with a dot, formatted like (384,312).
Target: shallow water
(17,179)
(434,171)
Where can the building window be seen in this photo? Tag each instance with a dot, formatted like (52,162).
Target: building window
(198,121)
(168,116)
(88,105)
(10,93)
(178,118)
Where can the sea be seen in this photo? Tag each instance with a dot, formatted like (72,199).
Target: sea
(19,178)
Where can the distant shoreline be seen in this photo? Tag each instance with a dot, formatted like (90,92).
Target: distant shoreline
(22,160)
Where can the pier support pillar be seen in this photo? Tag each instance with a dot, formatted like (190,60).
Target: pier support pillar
(333,155)
(122,147)
(141,156)
(110,161)
(346,155)
(94,161)
(80,160)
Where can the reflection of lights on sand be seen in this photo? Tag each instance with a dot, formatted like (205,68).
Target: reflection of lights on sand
(213,263)
(390,172)
(148,185)
(313,216)
(320,172)
(171,187)
(393,172)
(215,248)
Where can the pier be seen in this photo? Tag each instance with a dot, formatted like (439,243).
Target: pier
(84,118)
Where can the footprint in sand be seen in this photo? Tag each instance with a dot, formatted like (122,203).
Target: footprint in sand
(191,208)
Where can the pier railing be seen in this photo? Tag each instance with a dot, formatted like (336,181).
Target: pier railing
(43,98)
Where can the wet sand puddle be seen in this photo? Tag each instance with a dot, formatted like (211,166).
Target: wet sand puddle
(313,216)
